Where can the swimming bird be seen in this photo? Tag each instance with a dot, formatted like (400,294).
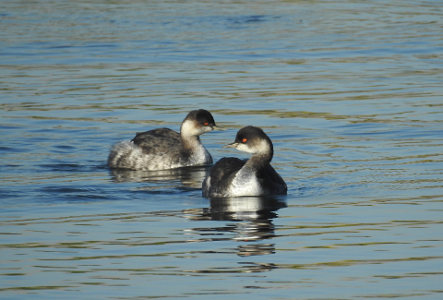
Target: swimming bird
(164,148)
(232,177)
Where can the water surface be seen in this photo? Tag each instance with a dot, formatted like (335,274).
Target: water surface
(349,92)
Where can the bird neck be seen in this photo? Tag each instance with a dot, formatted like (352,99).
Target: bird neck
(190,141)
(259,160)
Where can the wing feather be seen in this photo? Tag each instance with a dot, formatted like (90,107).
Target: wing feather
(158,141)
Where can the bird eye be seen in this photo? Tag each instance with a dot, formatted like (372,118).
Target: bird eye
(244,140)
(206,123)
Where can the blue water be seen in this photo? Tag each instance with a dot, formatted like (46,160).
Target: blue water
(350,92)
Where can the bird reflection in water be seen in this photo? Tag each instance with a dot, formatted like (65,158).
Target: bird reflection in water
(252,218)
(187,177)
(245,208)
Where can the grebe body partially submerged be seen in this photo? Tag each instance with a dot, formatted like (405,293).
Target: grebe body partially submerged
(163,148)
(232,177)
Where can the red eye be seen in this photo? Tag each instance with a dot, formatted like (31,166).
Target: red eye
(244,140)
(206,123)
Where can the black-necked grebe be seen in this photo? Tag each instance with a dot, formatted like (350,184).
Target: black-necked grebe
(232,177)
(163,148)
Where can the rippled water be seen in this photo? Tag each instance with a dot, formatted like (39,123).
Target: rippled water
(349,92)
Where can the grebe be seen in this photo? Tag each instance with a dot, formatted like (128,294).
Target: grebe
(163,148)
(232,177)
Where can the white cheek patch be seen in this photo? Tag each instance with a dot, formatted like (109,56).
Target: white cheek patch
(259,147)
(206,129)
(189,128)
(192,128)
(262,147)
(245,148)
